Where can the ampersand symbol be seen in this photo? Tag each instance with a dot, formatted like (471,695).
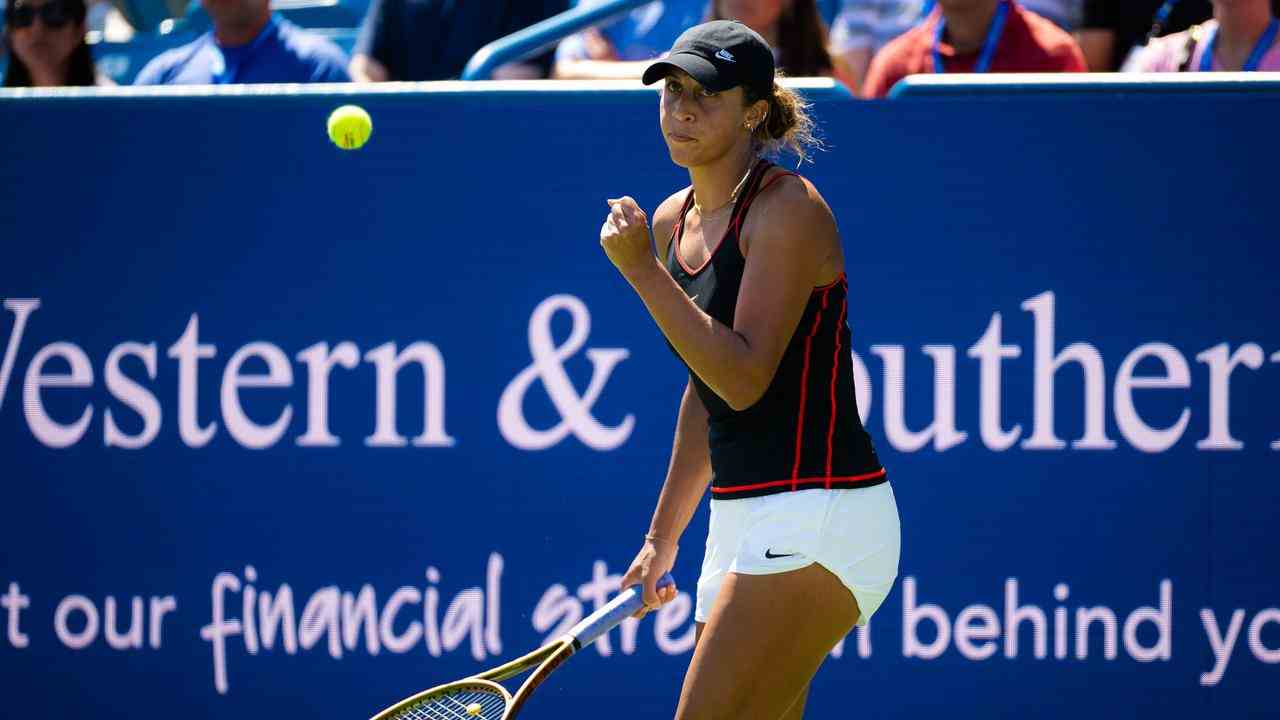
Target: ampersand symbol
(548,366)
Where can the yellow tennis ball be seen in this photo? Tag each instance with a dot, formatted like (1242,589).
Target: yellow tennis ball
(350,127)
(474,709)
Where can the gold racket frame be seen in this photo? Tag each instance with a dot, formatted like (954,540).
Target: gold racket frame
(547,658)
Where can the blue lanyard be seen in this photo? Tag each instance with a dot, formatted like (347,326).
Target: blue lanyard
(1255,58)
(988,47)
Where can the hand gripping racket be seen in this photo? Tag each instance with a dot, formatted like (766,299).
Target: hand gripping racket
(480,697)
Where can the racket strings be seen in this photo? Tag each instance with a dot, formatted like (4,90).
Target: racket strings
(456,706)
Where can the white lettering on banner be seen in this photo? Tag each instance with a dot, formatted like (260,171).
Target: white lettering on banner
(977,628)
(131,639)
(44,428)
(76,640)
(279,375)
(137,397)
(389,363)
(339,619)
(1047,365)
(320,361)
(1222,362)
(990,351)
(548,366)
(1221,645)
(1163,367)
(861,388)
(22,309)
(1267,655)
(189,352)
(1177,375)
(943,428)
(14,602)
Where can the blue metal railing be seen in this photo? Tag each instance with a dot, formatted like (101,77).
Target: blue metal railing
(540,36)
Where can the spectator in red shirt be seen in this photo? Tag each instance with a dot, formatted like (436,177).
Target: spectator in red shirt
(963,36)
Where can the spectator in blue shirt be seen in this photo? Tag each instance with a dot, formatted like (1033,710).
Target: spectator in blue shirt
(625,47)
(433,39)
(248,44)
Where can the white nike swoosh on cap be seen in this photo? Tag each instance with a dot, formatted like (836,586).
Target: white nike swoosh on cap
(725,55)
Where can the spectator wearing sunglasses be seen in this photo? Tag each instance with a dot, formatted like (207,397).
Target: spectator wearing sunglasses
(48,47)
(248,44)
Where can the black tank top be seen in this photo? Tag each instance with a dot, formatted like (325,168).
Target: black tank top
(804,432)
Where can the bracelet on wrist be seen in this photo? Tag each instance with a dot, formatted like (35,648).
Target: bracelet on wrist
(650,537)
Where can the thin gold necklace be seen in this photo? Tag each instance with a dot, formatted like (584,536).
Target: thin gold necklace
(733,196)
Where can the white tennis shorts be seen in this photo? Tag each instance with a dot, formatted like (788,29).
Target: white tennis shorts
(854,533)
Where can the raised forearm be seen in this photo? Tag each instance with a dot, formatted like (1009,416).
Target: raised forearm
(721,357)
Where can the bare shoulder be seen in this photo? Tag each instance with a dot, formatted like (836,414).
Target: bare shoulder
(665,218)
(792,204)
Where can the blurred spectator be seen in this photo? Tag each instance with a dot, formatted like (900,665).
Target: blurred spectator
(107,20)
(962,36)
(433,39)
(248,44)
(1066,14)
(47,42)
(625,47)
(1112,29)
(863,27)
(1243,35)
(793,28)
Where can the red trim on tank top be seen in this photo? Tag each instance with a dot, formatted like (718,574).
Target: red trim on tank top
(678,231)
(804,385)
(835,373)
(801,481)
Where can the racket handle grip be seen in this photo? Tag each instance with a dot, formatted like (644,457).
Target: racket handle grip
(606,618)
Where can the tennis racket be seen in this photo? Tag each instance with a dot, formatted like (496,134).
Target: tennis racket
(480,697)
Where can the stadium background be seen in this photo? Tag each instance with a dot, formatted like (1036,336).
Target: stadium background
(229,214)
(1113,215)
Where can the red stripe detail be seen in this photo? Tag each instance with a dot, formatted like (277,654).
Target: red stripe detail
(804,384)
(833,283)
(806,481)
(733,224)
(835,367)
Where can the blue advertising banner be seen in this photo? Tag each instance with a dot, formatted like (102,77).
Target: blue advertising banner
(289,429)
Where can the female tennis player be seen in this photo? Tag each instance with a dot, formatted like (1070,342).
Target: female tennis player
(749,288)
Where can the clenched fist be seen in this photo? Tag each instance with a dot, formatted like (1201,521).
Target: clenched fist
(625,237)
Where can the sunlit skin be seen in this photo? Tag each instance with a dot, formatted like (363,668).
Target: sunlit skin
(1241,24)
(791,246)
(46,51)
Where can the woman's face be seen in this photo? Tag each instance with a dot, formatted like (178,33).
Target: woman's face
(759,15)
(702,126)
(43,33)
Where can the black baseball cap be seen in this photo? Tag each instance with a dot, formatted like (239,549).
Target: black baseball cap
(720,55)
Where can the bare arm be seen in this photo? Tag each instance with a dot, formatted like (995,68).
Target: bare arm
(793,235)
(687,478)
(1097,45)
(851,67)
(365,69)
